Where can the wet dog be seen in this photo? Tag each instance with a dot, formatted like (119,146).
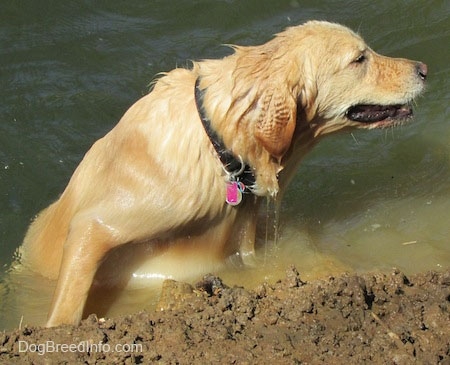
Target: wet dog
(184,170)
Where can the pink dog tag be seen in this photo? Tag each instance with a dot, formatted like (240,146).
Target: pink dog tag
(234,192)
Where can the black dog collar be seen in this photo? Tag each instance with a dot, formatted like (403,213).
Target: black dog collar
(240,175)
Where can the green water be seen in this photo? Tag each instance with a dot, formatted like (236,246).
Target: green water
(367,201)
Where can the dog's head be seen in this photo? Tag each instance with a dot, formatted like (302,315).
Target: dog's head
(318,77)
(348,84)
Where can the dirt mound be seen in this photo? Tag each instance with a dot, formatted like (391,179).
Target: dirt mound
(351,319)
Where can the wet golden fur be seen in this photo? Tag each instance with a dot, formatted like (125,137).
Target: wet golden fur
(154,186)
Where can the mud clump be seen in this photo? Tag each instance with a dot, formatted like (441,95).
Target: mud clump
(350,319)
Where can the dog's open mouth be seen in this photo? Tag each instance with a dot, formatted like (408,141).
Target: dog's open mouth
(365,113)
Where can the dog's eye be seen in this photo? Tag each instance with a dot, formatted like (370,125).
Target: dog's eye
(360,59)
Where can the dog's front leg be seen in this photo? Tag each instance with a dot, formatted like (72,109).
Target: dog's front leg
(87,244)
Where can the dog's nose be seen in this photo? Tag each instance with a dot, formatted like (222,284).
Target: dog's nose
(422,70)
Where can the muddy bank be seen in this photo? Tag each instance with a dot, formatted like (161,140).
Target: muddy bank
(350,319)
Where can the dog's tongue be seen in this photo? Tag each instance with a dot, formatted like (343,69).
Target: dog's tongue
(376,113)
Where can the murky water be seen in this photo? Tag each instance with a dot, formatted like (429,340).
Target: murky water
(362,201)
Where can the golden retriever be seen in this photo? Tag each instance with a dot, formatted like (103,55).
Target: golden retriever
(184,170)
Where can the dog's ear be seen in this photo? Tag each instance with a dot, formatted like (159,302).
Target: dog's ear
(276,122)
